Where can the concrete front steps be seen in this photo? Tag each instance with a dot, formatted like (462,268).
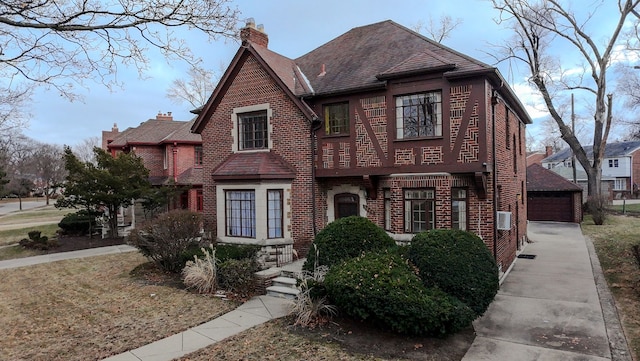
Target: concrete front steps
(283,287)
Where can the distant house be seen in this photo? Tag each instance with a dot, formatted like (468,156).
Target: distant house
(620,166)
(172,154)
(379,122)
(536,157)
(551,197)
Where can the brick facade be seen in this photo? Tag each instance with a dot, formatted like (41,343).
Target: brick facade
(480,150)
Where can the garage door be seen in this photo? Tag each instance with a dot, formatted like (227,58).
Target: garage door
(556,207)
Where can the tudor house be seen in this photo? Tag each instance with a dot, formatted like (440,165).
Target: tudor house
(380,122)
(171,153)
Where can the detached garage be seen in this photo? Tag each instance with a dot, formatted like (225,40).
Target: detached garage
(550,197)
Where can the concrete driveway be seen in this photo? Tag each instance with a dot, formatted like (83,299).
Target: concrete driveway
(551,307)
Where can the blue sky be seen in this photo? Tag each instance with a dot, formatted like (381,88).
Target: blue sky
(294,28)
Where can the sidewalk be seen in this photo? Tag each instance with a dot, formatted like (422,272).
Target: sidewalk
(45,258)
(556,306)
(256,311)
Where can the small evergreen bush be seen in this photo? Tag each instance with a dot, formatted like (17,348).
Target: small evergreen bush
(238,276)
(77,224)
(37,241)
(381,287)
(167,238)
(237,251)
(458,263)
(346,238)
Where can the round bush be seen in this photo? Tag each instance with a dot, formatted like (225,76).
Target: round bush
(457,262)
(78,223)
(381,287)
(346,238)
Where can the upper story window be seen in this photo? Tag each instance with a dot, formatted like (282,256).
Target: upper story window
(419,115)
(197,155)
(336,119)
(252,128)
(613,163)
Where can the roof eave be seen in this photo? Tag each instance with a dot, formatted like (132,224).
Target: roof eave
(402,74)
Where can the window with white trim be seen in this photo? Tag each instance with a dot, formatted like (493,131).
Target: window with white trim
(387,209)
(459,208)
(613,163)
(252,130)
(620,184)
(274,213)
(419,115)
(419,210)
(240,213)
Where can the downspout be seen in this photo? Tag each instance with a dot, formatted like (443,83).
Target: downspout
(494,102)
(175,163)
(315,125)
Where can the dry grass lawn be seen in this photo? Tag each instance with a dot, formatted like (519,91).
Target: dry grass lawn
(91,308)
(613,242)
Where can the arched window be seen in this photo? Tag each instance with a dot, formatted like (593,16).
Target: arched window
(346,204)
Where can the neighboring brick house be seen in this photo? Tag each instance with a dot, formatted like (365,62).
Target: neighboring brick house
(171,153)
(380,122)
(620,168)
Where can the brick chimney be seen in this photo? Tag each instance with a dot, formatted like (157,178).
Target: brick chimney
(255,35)
(548,150)
(162,116)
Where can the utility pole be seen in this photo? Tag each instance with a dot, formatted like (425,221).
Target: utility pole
(573,130)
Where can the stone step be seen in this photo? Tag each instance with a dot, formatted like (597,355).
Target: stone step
(284,282)
(282,292)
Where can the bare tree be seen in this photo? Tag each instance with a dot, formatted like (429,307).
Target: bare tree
(196,88)
(47,164)
(439,29)
(62,43)
(20,174)
(537,25)
(84,149)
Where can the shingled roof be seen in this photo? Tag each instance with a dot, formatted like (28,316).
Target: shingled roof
(540,179)
(364,56)
(255,165)
(612,150)
(154,132)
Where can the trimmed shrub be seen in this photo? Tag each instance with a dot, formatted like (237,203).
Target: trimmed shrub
(236,251)
(237,276)
(79,223)
(36,241)
(457,262)
(346,238)
(381,287)
(167,238)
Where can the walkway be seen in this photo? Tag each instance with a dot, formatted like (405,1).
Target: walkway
(555,306)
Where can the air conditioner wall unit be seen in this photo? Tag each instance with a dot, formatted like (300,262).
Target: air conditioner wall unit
(504,221)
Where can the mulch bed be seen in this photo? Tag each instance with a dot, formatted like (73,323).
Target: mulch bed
(75,243)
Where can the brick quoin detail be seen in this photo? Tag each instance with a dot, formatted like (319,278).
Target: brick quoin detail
(432,155)
(405,157)
(327,156)
(375,109)
(344,154)
(366,153)
(457,105)
(471,147)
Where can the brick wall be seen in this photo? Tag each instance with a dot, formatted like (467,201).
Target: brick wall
(291,140)
(153,157)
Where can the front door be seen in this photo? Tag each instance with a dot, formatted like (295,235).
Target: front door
(346,204)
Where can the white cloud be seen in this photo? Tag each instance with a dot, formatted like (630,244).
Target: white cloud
(531,99)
